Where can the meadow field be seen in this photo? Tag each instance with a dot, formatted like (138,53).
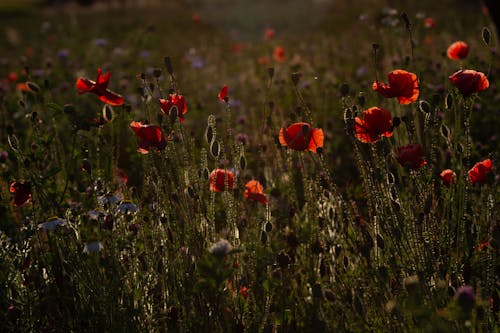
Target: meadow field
(249,166)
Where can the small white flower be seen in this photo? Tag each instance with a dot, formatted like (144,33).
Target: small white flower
(92,247)
(52,223)
(221,248)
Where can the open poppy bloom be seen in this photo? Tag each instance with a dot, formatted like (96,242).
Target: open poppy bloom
(150,136)
(174,101)
(100,88)
(469,81)
(411,156)
(222,94)
(448,177)
(300,136)
(255,192)
(402,84)
(21,192)
(458,50)
(376,122)
(279,54)
(479,172)
(429,23)
(218,180)
(269,33)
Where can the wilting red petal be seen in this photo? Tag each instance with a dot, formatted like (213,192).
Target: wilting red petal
(458,50)
(448,177)
(376,122)
(469,81)
(111,98)
(21,193)
(222,93)
(255,191)
(218,180)
(479,172)
(402,84)
(411,156)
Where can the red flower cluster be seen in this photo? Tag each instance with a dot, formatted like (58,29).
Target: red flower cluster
(448,177)
(100,88)
(21,193)
(402,84)
(218,180)
(254,191)
(479,172)
(411,156)
(150,136)
(177,101)
(469,81)
(458,50)
(300,136)
(376,122)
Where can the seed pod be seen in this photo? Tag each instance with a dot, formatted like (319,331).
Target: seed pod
(486,34)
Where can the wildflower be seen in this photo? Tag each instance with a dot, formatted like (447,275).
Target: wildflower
(465,298)
(269,33)
(411,156)
(174,102)
(279,54)
(100,88)
(127,207)
(429,22)
(150,136)
(91,247)
(22,193)
(300,136)
(402,84)
(221,248)
(478,173)
(218,180)
(52,223)
(244,292)
(255,191)
(469,81)
(222,94)
(448,177)
(376,122)
(458,50)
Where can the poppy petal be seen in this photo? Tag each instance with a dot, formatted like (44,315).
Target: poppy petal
(84,85)
(316,140)
(111,98)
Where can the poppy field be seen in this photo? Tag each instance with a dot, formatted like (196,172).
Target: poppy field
(162,171)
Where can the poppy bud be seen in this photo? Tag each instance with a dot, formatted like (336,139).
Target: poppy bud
(168,65)
(209,134)
(486,34)
(107,113)
(157,72)
(296,78)
(215,148)
(13,142)
(243,162)
(33,87)
(424,106)
(268,227)
(445,131)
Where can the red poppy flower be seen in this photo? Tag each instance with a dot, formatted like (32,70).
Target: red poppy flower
(402,84)
(483,245)
(100,88)
(429,22)
(376,122)
(458,50)
(269,33)
(479,172)
(222,94)
(448,177)
(12,77)
(150,136)
(300,136)
(469,81)
(177,101)
(255,191)
(21,192)
(411,156)
(218,180)
(279,54)
(244,292)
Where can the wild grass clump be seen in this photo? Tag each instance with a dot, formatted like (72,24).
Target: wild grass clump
(266,192)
